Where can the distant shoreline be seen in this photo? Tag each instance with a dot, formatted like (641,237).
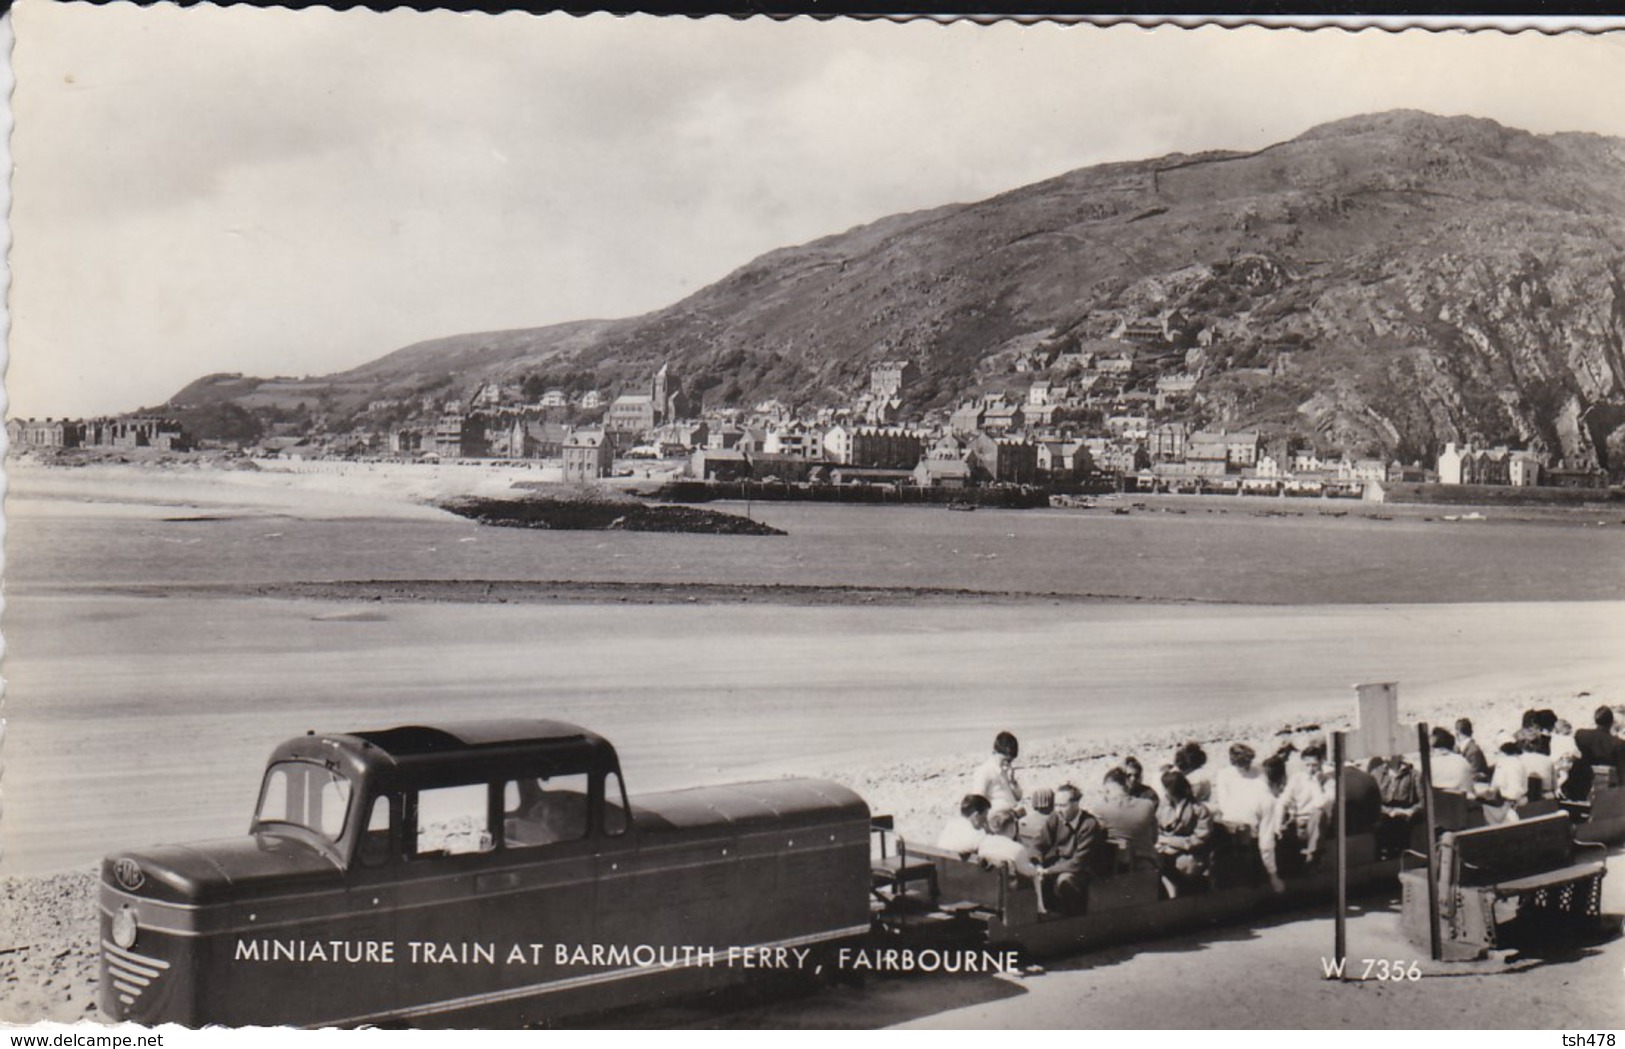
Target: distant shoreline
(552,591)
(425,483)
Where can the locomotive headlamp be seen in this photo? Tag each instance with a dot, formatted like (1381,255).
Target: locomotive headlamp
(124,927)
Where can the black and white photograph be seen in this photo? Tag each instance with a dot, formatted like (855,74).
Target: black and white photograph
(541,521)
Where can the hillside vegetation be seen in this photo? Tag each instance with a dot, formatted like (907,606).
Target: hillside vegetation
(1381,284)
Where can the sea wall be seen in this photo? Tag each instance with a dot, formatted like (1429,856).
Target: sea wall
(1500,495)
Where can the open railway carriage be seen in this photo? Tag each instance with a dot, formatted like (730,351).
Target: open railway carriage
(1549,858)
(924,891)
(483,873)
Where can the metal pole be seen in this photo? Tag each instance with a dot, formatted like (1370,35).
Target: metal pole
(1426,755)
(1339,819)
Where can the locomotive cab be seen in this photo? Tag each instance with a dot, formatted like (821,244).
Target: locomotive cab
(375,799)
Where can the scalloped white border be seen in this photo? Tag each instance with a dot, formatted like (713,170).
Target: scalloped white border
(8,85)
(259,1037)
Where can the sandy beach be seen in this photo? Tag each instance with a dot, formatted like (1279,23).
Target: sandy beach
(312,490)
(47,961)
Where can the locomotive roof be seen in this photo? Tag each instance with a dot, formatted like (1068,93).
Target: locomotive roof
(513,745)
(406,740)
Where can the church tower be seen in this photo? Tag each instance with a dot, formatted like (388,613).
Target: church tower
(658,389)
(666,391)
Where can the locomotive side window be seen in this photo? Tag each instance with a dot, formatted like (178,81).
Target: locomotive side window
(453,820)
(375,842)
(616,819)
(305,795)
(542,811)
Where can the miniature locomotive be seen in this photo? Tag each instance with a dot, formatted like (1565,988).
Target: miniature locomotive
(477,874)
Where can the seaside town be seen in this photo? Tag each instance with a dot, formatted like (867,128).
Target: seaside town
(1073,417)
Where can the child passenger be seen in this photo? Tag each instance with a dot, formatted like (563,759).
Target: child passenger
(995,778)
(984,832)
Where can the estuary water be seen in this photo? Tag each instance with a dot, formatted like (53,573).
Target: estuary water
(1216,550)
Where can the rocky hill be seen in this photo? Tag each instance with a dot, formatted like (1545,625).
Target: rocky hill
(1383,284)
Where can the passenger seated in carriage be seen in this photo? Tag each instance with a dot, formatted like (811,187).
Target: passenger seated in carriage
(1185,837)
(1564,753)
(1469,749)
(1191,760)
(1599,748)
(1040,805)
(1535,749)
(1237,787)
(1401,790)
(995,778)
(1273,828)
(1137,787)
(1542,721)
(1449,770)
(1306,801)
(1072,850)
(965,832)
(1509,782)
(1130,822)
(1253,819)
(983,832)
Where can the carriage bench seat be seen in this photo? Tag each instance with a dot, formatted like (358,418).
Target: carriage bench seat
(1535,882)
(1523,857)
(899,865)
(1535,862)
(890,878)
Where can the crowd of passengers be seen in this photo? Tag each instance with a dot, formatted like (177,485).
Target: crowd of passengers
(1281,805)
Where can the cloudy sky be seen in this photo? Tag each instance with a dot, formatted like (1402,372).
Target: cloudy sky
(297,192)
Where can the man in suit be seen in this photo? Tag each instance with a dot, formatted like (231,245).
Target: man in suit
(1072,848)
(1597,746)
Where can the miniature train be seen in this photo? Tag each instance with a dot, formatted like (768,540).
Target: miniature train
(494,874)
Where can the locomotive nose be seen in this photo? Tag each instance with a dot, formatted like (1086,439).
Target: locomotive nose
(145,932)
(131,982)
(136,959)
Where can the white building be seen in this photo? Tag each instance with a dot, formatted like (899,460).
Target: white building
(1129,426)
(838,444)
(1306,460)
(1450,461)
(792,440)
